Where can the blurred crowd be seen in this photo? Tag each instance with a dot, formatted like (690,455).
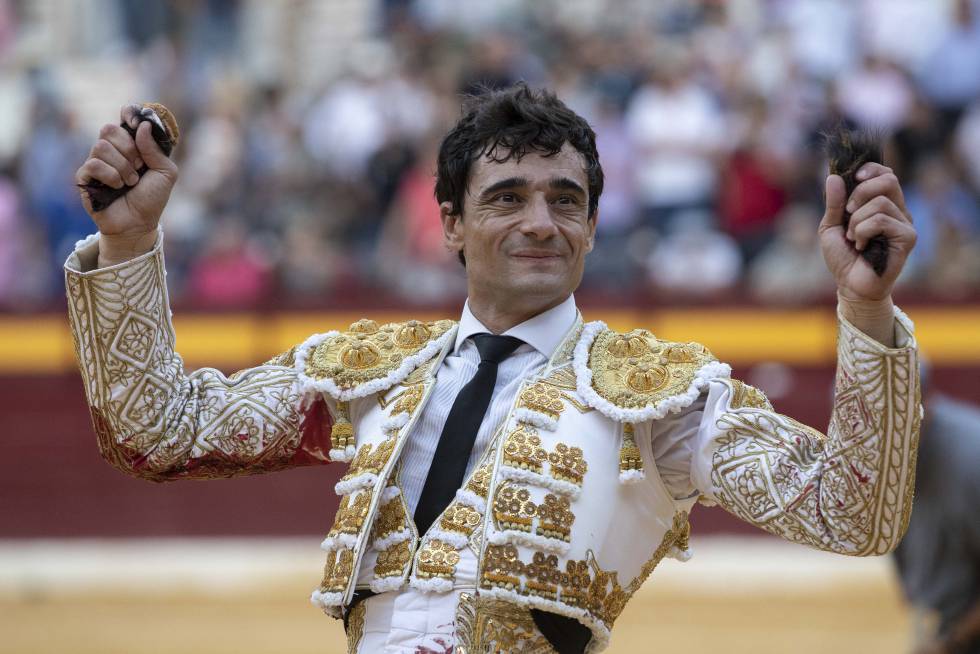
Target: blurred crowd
(708,113)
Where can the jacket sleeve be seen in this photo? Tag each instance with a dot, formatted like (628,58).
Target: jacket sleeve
(154,421)
(849,491)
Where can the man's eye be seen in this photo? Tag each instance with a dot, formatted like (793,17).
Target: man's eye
(506,198)
(567,199)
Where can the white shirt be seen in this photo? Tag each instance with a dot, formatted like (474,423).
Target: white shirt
(542,334)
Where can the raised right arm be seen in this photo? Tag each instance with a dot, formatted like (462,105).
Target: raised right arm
(153,420)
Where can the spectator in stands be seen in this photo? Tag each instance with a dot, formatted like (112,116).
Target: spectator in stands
(695,259)
(679,135)
(790,269)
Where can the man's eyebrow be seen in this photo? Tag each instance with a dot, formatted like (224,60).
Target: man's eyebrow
(565,183)
(510,182)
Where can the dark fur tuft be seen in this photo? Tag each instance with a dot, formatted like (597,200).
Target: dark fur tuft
(846,152)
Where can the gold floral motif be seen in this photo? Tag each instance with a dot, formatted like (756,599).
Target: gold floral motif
(370,460)
(628,346)
(555,518)
(637,369)
(479,481)
(337,571)
(393,560)
(522,449)
(409,400)
(490,626)
(351,514)
(647,377)
(437,559)
(582,584)
(568,463)
(513,508)
(391,518)
(460,518)
(413,334)
(744,396)
(563,378)
(543,398)
(354,627)
(364,326)
(629,453)
(361,355)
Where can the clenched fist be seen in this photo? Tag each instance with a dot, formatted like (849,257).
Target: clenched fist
(877,208)
(128,225)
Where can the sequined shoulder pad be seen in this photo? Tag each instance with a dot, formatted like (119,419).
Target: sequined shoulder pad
(634,377)
(368,358)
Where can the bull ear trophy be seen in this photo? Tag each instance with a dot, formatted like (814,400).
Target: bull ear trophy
(847,151)
(165,133)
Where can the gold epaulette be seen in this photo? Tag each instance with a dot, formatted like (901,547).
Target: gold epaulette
(373,355)
(637,370)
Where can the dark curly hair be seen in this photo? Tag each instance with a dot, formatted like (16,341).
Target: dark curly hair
(508,123)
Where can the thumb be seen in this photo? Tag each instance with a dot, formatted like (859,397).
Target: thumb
(149,151)
(835,197)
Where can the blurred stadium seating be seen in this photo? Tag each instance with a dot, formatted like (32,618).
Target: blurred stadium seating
(310,130)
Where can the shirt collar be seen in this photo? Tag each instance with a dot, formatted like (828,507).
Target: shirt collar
(543,332)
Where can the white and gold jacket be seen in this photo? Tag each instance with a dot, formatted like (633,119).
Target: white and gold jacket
(566,511)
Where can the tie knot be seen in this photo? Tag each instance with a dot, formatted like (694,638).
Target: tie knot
(494,349)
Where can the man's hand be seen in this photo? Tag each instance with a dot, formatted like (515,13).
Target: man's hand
(877,206)
(128,226)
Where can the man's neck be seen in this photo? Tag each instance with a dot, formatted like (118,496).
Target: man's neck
(499,317)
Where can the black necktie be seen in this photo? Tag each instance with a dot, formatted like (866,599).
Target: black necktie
(448,466)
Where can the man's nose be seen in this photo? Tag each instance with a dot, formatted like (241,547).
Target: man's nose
(538,221)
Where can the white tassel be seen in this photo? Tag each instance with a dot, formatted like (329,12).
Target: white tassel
(536,418)
(513,536)
(431,585)
(345,541)
(631,476)
(348,486)
(326,601)
(537,479)
(345,455)
(385,584)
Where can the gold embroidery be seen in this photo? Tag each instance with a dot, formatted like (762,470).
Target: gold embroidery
(409,400)
(479,481)
(437,559)
(744,395)
(355,627)
(365,353)
(563,378)
(637,369)
(351,514)
(364,326)
(342,432)
(513,508)
(845,492)
(542,398)
(489,626)
(568,463)
(391,518)
(523,450)
(370,460)
(555,518)
(393,560)
(460,518)
(583,583)
(337,571)
(629,453)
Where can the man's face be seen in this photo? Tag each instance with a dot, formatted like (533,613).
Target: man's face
(525,228)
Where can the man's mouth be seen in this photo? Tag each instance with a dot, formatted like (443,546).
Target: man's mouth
(536,254)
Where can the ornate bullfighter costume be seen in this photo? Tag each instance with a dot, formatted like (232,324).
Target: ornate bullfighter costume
(567,509)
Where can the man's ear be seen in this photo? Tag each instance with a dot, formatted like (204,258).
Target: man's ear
(593,221)
(452,227)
